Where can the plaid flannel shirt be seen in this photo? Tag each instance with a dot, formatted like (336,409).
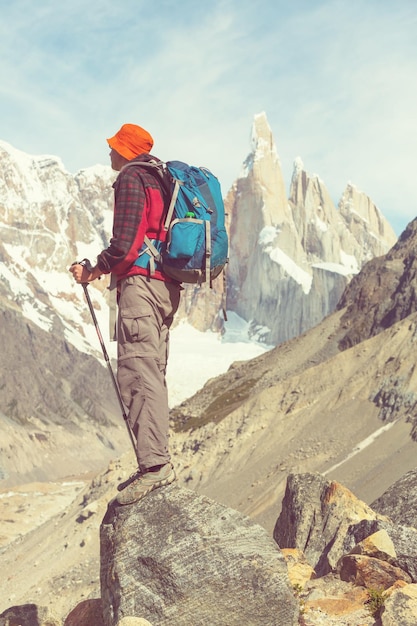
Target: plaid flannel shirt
(138,211)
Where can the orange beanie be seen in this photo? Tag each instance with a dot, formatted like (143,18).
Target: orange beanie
(130,141)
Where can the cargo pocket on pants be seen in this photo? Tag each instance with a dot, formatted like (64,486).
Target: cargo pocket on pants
(135,329)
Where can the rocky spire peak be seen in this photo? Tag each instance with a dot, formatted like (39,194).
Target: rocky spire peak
(316,243)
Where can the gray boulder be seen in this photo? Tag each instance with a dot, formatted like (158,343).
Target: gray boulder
(399,501)
(179,558)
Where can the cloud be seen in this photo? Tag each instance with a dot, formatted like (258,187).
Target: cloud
(336,79)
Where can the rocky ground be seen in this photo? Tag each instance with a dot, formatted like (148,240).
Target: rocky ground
(50,551)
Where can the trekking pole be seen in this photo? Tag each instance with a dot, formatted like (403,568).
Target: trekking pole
(86,263)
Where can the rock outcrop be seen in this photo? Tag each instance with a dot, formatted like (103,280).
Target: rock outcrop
(345,540)
(179,558)
(315,518)
(327,522)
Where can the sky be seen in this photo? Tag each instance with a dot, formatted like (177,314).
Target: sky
(337,80)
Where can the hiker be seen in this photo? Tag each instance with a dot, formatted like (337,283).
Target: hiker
(147,305)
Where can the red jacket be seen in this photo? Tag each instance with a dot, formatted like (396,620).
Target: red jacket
(138,211)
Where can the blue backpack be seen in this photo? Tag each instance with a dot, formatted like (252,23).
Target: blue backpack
(196,246)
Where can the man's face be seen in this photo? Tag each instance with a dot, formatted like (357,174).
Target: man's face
(117,160)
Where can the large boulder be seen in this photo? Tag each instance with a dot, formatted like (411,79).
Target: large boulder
(179,558)
(315,517)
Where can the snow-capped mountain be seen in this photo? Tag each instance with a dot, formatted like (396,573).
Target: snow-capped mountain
(48,219)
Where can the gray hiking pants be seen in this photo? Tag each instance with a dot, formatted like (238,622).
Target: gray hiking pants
(146,311)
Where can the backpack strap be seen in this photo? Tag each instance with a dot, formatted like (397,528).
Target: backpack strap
(171,207)
(152,253)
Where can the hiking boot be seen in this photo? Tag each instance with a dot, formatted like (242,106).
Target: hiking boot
(129,480)
(145,483)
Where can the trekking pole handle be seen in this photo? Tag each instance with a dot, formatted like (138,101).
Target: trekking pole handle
(87,264)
